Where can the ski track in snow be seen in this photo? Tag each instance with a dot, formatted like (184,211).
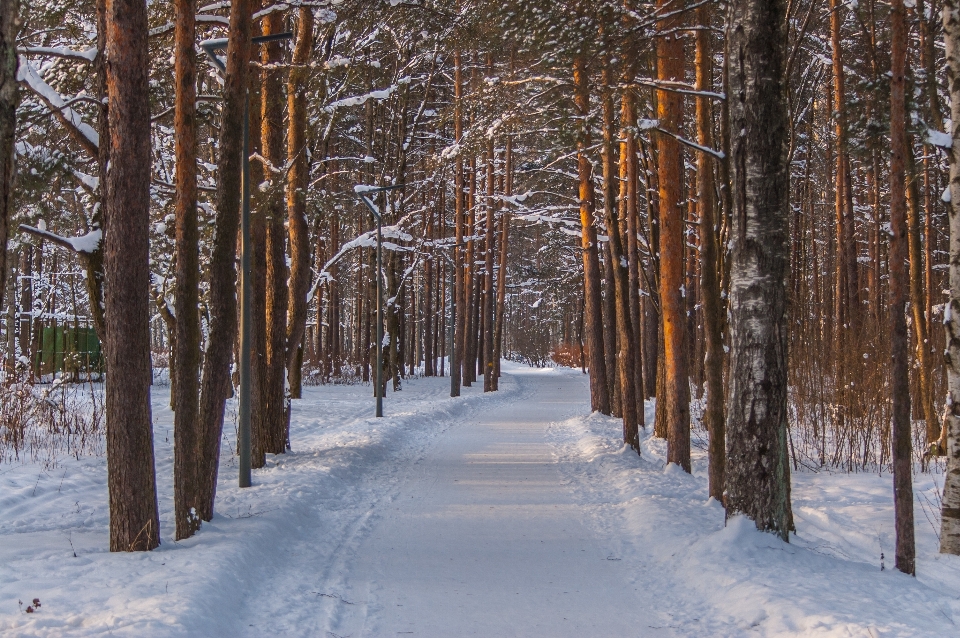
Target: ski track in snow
(507,514)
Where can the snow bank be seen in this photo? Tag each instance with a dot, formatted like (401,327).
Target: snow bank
(54,523)
(712,579)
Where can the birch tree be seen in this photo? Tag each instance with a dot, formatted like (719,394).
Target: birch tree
(758,472)
(950,513)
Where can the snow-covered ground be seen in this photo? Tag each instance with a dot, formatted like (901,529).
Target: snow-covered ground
(506,514)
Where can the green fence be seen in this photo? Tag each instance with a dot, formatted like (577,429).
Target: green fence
(67,349)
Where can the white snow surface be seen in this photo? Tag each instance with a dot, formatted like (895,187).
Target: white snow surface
(513,513)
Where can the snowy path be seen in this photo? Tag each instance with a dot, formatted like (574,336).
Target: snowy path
(513,513)
(480,538)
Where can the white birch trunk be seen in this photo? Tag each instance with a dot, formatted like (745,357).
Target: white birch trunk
(950,520)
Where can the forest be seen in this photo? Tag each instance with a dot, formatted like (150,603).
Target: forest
(739,218)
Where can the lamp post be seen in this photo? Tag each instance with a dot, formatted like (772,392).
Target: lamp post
(246,276)
(362,191)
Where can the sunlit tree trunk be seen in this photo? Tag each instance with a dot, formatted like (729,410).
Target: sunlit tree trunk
(713,417)
(593,319)
(277,293)
(918,304)
(625,357)
(628,218)
(676,397)
(459,315)
(899,283)
(504,252)
(297,182)
(848,294)
(488,292)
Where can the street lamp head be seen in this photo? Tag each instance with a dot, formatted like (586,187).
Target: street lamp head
(210,47)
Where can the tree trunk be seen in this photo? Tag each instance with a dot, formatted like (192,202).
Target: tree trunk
(950,513)
(628,218)
(593,320)
(131,480)
(758,472)
(277,293)
(713,416)
(215,382)
(186,359)
(899,282)
(625,367)
(918,302)
(489,243)
(459,315)
(297,182)
(676,401)
(847,293)
(502,271)
(610,332)
(9,27)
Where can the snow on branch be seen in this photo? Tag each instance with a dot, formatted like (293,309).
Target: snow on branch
(85,134)
(168,27)
(88,55)
(939,138)
(357,100)
(88,243)
(675,87)
(703,149)
(365,240)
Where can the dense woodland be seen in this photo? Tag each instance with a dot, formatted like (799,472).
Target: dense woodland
(740,208)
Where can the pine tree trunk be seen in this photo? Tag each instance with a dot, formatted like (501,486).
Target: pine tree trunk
(277,293)
(625,354)
(186,356)
(758,471)
(950,513)
(428,295)
(918,302)
(502,271)
(847,293)
(215,383)
(297,183)
(628,218)
(899,283)
(9,27)
(131,480)
(458,314)
(676,401)
(593,320)
(713,417)
(259,377)
(488,292)
(469,272)
(610,332)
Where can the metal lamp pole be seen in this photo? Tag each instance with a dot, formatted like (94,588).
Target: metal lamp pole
(362,191)
(246,276)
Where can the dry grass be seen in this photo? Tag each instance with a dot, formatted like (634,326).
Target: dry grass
(43,423)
